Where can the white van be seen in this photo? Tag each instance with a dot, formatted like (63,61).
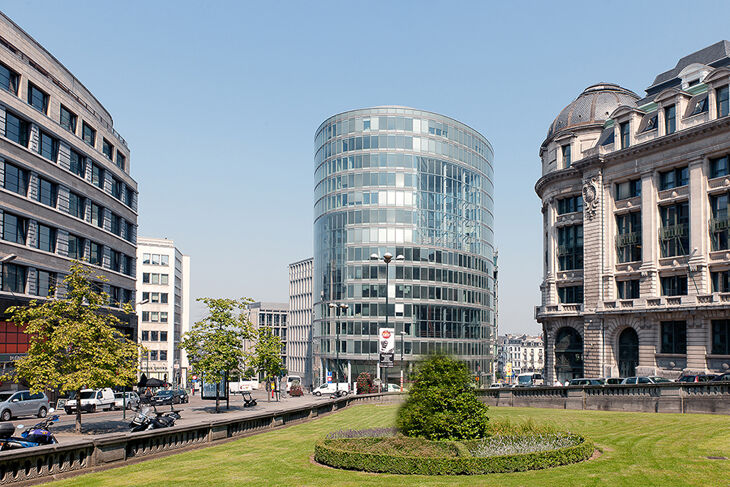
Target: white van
(92,400)
(291,380)
(329,388)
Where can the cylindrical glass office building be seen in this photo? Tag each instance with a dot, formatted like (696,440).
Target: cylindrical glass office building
(412,183)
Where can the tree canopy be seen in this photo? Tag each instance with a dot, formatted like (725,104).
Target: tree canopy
(75,342)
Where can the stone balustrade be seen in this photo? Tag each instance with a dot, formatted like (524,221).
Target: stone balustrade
(673,397)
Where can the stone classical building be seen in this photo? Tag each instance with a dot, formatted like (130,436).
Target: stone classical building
(299,356)
(635,211)
(163,286)
(65,189)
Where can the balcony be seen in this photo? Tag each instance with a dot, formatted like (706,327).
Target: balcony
(674,231)
(661,303)
(719,224)
(558,309)
(627,239)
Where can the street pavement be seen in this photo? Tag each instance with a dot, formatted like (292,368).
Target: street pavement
(197,409)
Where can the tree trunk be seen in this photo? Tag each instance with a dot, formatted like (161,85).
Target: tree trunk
(78,412)
(217,401)
(228,405)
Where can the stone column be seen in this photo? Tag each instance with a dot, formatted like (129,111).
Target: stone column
(649,237)
(550,294)
(549,334)
(697,328)
(697,281)
(592,347)
(593,240)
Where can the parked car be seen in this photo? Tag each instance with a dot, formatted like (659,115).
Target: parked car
(722,377)
(291,380)
(182,395)
(582,381)
(645,380)
(329,388)
(613,380)
(696,378)
(165,397)
(92,400)
(132,400)
(22,403)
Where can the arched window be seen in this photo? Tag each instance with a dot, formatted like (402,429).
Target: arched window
(568,354)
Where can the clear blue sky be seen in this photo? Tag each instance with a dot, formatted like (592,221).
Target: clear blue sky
(219,102)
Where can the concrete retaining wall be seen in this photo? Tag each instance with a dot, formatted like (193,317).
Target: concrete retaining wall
(707,397)
(41,464)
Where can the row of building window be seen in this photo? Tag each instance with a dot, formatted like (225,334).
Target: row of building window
(15,280)
(154,336)
(156,259)
(39,99)
(153,355)
(154,316)
(154,297)
(17,180)
(674,337)
(18,130)
(15,229)
(670,118)
(370,347)
(154,278)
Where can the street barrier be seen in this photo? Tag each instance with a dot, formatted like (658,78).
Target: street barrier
(44,463)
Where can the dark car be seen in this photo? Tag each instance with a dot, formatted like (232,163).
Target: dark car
(165,397)
(614,380)
(696,378)
(182,396)
(722,377)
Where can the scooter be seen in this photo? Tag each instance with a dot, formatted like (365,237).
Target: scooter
(144,419)
(338,393)
(248,400)
(36,435)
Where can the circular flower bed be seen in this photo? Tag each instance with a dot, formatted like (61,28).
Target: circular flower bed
(385,451)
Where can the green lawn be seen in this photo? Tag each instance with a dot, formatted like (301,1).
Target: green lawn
(640,449)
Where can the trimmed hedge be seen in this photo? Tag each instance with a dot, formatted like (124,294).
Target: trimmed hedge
(332,453)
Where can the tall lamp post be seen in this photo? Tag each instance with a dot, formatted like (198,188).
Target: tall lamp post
(387,258)
(402,364)
(342,307)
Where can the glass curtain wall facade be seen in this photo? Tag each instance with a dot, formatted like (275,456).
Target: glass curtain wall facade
(412,183)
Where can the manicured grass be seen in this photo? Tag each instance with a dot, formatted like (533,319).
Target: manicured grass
(640,449)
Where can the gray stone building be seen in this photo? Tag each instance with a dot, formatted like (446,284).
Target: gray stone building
(635,213)
(299,343)
(272,316)
(65,188)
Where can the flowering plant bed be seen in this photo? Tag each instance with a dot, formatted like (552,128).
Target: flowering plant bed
(386,452)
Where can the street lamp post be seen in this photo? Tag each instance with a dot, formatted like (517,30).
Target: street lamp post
(402,365)
(342,307)
(387,258)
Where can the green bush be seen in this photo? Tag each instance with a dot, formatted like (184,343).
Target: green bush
(365,383)
(340,454)
(442,404)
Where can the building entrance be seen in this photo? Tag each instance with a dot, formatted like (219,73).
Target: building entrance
(628,352)
(568,355)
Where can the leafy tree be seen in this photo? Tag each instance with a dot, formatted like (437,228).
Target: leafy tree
(215,344)
(442,404)
(266,357)
(74,342)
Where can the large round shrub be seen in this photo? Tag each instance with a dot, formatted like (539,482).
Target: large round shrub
(442,404)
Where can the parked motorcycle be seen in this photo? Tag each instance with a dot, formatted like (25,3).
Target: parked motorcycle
(149,418)
(338,393)
(37,435)
(248,400)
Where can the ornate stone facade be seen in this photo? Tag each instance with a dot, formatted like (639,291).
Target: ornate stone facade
(635,212)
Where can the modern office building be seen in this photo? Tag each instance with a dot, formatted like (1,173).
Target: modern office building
(299,343)
(415,184)
(635,198)
(163,287)
(65,188)
(274,317)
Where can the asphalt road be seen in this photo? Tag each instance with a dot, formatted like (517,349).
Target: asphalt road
(112,421)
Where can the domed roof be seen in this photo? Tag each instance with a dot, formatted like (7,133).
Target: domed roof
(593,106)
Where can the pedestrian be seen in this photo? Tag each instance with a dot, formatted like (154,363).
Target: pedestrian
(148,395)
